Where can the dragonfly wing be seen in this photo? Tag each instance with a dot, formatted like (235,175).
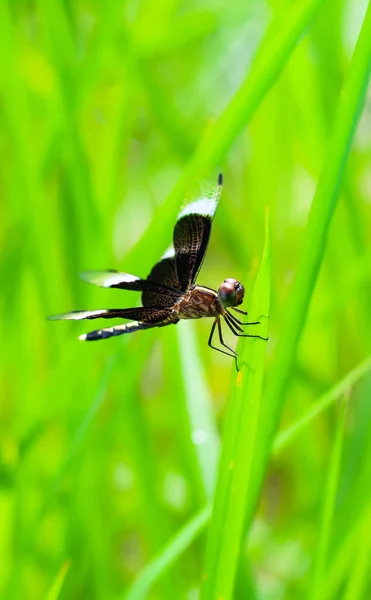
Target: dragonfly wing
(163,273)
(158,292)
(112,279)
(192,233)
(78,315)
(144,314)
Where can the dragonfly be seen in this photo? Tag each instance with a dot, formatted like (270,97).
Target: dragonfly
(170,291)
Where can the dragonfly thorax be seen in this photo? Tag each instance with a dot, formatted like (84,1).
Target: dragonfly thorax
(231,292)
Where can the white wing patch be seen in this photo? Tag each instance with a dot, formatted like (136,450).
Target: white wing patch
(170,253)
(107,278)
(205,206)
(77,315)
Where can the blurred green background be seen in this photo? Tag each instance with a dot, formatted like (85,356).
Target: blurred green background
(106,113)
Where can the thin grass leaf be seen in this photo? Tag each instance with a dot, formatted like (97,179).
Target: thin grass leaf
(324,202)
(345,554)
(18,124)
(88,157)
(326,520)
(159,565)
(61,47)
(196,525)
(203,426)
(57,584)
(360,567)
(236,463)
(78,439)
(276,48)
(286,436)
(272,57)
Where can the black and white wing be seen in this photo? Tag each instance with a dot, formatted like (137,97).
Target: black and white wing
(144,318)
(144,314)
(161,288)
(192,233)
(168,280)
(163,273)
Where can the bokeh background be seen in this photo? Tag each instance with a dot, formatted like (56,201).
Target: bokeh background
(106,108)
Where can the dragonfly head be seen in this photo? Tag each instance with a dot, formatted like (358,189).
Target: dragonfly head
(231,292)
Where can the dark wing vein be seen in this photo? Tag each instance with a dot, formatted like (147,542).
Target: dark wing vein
(163,273)
(142,314)
(191,236)
(125,281)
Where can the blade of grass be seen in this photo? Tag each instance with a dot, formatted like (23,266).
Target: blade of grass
(360,575)
(202,423)
(232,489)
(77,441)
(57,584)
(329,498)
(196,525)
(155,520)
(353,509)
(346,552)
(158,566)
(59,39)
(326,400)
(272,57)
(26,164)
(275,50)
(324,202)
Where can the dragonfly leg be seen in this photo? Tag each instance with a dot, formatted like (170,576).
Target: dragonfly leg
(238,322)
(242,312)
(232,326)
(221,339)
(234,355)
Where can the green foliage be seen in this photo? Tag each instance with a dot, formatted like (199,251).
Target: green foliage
(240,439)
(111,114)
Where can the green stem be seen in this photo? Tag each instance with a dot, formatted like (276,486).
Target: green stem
(324,202)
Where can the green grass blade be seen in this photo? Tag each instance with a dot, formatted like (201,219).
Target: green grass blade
(217,141)
(343,560)
(324,202)
(78,440)
(57,584)
(340,562)
(276,48)
(196,525)
(237,458)
(202,422)
(285,437)
(329,498)
(158,566)
(360,576)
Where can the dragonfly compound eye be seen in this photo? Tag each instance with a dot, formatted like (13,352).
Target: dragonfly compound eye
(231,292)
(240,292)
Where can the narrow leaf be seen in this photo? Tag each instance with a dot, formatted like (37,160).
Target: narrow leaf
(57,584)
(158,566)
(314,242)
(329,497)
(237,458)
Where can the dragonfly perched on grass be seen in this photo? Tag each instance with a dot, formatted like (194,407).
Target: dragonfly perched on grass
(170,292)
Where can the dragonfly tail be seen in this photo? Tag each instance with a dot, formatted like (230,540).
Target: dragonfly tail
(107,332)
